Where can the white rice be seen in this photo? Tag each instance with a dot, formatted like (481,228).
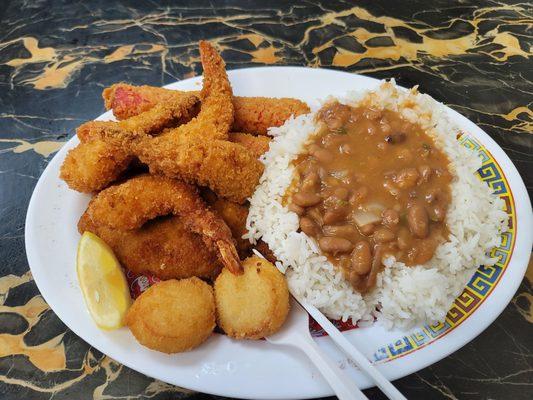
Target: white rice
(404,296)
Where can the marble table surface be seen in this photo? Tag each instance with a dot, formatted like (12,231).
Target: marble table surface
(57,56)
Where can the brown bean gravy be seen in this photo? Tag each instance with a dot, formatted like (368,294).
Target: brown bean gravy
(371,184)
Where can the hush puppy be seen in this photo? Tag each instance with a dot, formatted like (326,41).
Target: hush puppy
(173,316)
(254,304)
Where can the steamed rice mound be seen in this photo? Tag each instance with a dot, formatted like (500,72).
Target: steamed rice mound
(404,296)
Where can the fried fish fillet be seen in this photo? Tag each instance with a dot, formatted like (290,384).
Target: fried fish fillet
(252,114)
(94,165)
(131,204)
(163,247)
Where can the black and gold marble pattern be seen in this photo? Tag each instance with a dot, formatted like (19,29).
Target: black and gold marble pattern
(57,56)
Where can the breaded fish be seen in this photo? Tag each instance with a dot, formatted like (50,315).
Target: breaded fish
(131,204)
(94,165)
(163,247)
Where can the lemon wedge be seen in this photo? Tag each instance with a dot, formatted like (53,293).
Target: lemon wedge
(102,282)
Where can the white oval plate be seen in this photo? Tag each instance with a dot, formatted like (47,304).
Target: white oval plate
(257,369)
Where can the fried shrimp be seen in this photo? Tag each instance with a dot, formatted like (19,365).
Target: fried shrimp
(176,111)
(145,197)
(235,217)
(173,316)
(225,167)
(98,161)
(252,305)
(252,114)
(257,145)
(163,247)
(195,152)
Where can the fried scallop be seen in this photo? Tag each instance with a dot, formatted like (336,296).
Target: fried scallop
(173,316)
(252,305)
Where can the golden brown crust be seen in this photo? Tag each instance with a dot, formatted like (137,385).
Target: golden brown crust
(198,151)
(252,114)
(225,167)
(132,203)
(163,247)
(176,111)
(173,316)
(94,165)
(98,161)
(257,114)
(252,305)
(257,145)
(235,217)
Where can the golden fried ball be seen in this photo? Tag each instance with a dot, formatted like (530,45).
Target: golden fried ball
(252,305)
(174,315)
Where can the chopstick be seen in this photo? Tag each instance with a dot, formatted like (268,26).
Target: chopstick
(355,355)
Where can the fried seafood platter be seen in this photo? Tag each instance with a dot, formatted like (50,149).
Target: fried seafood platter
(375,204)
(170,181)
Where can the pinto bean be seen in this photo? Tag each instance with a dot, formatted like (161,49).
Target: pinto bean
(418,221)
(404,239)
(310,182)
(335,215)
(308,226)
(356,280)
(367,229)
(316,215)
(383,235)
(335,245)
(345,231)
(424,250)
(336,115)
(407,178)
(306,199)
(362,258)
(390,217)
(341,193)
(322,155)
(437,212)
(359,195)
(296,209)
(389,185)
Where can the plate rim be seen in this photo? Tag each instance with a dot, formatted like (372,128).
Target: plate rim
(518,186)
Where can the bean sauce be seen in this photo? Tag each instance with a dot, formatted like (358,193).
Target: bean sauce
(370,185)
